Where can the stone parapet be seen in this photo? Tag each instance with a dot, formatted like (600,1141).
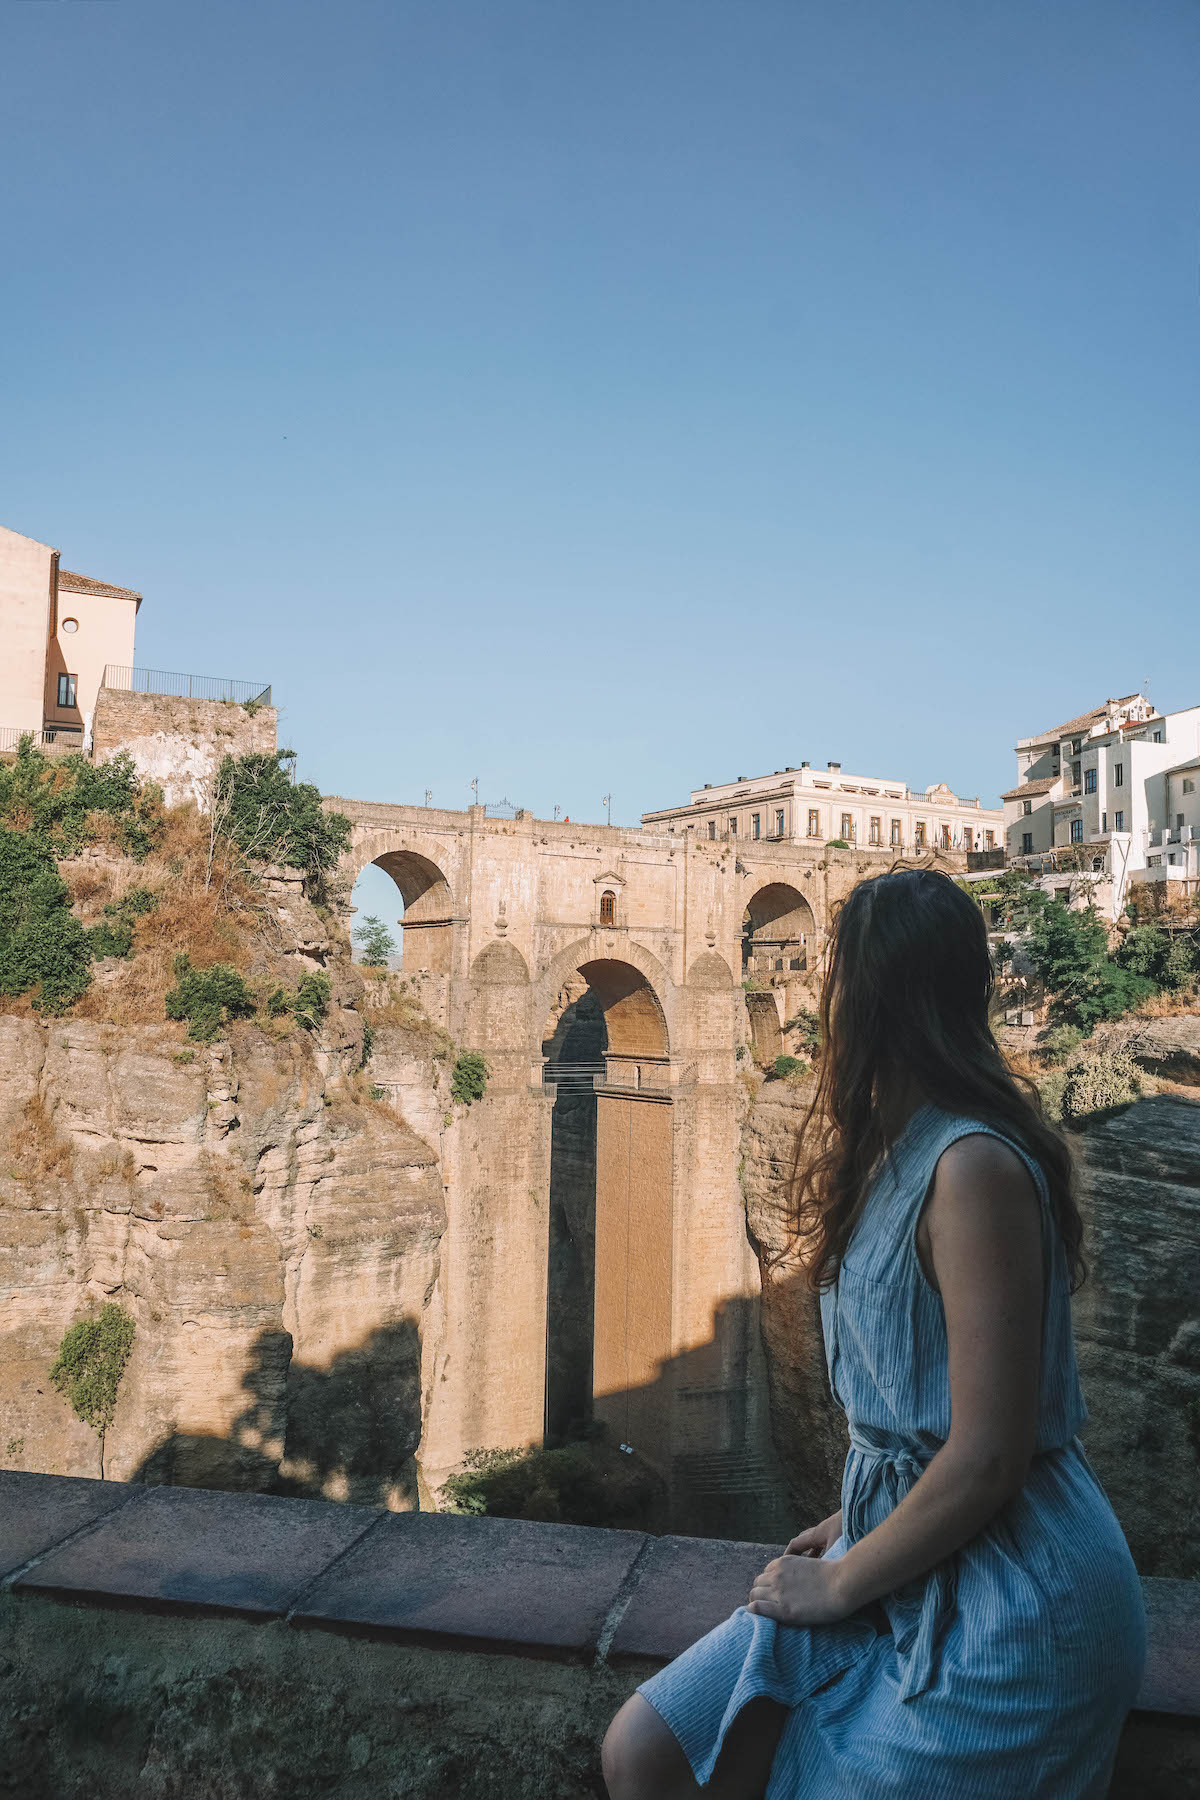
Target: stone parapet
(177,1640)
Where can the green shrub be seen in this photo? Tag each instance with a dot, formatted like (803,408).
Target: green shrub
(56,800)
(1169,959)
(785,1068)
(273,819)
(1093,1081)
(309,1003)
(43,946)
(368,1042)
(837,843)
(580,1484)
(207,998)
(807,1026)
(114,935)
(375,942)
(1061,1042)
(91,1361)
(1069,950)
(469,1080)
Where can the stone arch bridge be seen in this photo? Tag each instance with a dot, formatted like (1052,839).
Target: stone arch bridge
(663,960)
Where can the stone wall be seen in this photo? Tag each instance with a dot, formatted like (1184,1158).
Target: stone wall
(157,1643)
(178,742)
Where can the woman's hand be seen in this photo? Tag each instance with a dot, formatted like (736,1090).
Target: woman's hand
(799,1590)
(818,1538)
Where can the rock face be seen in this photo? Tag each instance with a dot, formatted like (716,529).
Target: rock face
(1137,1325)
(273,1231)
(1137,1319)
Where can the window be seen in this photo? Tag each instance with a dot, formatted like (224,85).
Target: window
(1027,807)
(1104,821)
(1158,736)
(66,690)
(945,837)
(779,823)
(1189,786)
(1118,774)
(1076,746)
(733,827)
(712,828)
(608,907)
(1118,821)
(1026,843)
(755,825)
(1089,781)
(70,626)
(897,835)
(920,834)
(1077,831)
(847,830)
(814,821)
(989,840)
(1075,774)
(1179,821)
(876,830)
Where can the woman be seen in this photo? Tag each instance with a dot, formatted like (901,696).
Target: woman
(970,1625)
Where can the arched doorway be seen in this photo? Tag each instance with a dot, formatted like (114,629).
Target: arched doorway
(778,933)
(609,1272)
(424,940)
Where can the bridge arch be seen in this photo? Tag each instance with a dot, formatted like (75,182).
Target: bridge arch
(418,872)
(779,931)
(632,987)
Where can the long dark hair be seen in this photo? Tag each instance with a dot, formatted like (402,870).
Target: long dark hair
(907,990)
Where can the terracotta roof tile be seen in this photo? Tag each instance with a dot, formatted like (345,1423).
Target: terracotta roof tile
(1072,726)
(83,584)
(1028,789)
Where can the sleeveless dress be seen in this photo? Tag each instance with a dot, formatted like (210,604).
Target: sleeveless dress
(1010,1666)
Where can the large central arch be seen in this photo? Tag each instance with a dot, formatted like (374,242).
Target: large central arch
(611,1214)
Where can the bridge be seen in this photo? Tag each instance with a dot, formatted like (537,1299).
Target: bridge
(614,980)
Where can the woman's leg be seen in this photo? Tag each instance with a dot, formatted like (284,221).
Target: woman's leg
(642,1759)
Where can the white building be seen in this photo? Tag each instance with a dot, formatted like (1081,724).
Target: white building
(1111,793)
(824,805)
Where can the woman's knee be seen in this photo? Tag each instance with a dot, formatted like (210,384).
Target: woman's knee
(640,1757)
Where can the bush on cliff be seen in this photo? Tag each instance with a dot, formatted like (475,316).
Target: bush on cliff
(1095,1080)
(309,1003)
(271,818)
(207,998)
(469,1080)
(66,802)
(113,936)
(1069,950)
(44,950)
(91,1361)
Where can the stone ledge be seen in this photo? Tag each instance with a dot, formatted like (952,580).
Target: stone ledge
(560,1592)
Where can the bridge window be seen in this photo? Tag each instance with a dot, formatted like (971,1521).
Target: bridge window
(608,907)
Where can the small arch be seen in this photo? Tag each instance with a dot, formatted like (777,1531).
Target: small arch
(766,1033)
(500,1000)
(428,910)
(777,931)
(710,972)
(608,907)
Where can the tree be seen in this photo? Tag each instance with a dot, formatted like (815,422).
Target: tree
(1069,950)
(91,1361)
(274,819)
(375,942)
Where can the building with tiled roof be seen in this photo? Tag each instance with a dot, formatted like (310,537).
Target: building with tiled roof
(1110,794)
(60,631)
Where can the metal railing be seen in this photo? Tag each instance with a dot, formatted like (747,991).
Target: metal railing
(60,737)
(185,687)
(574,1075)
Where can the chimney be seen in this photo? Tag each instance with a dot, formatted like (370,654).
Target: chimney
(835,768)
(805,765)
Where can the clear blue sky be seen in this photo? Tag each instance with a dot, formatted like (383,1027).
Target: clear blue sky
(619,397)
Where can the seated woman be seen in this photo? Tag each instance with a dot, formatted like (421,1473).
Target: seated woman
(969,1625)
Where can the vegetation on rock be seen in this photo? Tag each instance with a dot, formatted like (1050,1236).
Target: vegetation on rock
(469,1080)
(272,818)
(91,1361)
(67,802)
(1096,1079)
(789,1068)
(207,998)
(44,949)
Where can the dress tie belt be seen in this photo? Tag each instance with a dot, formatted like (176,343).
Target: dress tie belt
(892,1469)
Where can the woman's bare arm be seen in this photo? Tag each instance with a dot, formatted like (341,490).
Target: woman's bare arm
(984,1238)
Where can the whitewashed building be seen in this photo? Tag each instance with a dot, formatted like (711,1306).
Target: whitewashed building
(827,805)
(1112,794)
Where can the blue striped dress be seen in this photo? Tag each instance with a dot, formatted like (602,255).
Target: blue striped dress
(1010,1666)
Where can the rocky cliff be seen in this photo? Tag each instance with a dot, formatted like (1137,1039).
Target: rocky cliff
(271,1223)
(1137,1319)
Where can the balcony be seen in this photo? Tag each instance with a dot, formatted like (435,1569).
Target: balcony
(59,739)
(186,687)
